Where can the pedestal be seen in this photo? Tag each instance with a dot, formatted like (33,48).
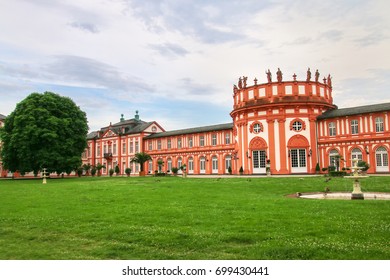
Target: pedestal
(357,192)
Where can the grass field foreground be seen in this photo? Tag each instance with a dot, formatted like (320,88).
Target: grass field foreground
(193,218)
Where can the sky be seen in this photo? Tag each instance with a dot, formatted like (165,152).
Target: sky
(176,61)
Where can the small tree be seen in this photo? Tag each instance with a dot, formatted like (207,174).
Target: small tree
(230,170)
(93,171)
(241,170)
(117,170)
(99,167)
(111,172)
(87,167)
(141,158)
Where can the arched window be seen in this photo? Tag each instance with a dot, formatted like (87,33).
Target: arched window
(190,168)
(214,162)
(334,158)
(169,163)
(382,159)
(356,153)
(202,164)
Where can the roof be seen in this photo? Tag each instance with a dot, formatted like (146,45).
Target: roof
(201,129)
(131,126)
(2,117)
(355,111)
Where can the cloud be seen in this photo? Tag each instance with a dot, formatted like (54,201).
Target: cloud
(85,26)
(169,50)
(209,22)
(90,72)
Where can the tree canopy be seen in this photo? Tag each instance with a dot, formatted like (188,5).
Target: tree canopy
(44,131)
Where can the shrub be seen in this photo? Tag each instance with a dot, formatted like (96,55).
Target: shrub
(111,172)
(324,169)
(230,170)
(117,170)
(79,171)
(175,170)
(331,168)
(128,171)
(93,171)
(318,167)
(241,170)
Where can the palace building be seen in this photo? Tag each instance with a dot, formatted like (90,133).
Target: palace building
(283,127)
(287,127)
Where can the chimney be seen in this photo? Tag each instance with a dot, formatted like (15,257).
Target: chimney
(136,115)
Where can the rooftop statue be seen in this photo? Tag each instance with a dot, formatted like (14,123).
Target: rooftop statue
(308,77)
(269,76)
(279,75)
(317,75)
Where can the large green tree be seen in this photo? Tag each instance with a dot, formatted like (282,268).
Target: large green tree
(44,131)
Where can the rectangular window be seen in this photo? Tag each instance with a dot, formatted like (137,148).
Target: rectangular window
(124,148)
(150,144)
(179,143)
(131,147)
(98,150)
(169,145)
(332,129)
(190,142)
(159,144)
(201,141)
(354,127)
(114,149)
(379,124)
(136,147)
(227,138)
(214,139)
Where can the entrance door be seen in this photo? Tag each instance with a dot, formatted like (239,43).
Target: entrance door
(258,158)
(298,160)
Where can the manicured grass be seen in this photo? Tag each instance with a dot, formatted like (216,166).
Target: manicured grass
(176,218)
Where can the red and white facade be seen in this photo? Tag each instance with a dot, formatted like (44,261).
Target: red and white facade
(289,126)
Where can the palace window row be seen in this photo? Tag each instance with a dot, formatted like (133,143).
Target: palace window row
(354,126)
(190,141)
(381,157)
(190,164)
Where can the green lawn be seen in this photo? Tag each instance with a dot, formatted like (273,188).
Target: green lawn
(177,218)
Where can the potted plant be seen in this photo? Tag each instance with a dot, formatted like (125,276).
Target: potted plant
(318,168)
(175,170)
(141,158)
(268,167)
(99,167)
(93,171)
(86,168)
(128,171)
